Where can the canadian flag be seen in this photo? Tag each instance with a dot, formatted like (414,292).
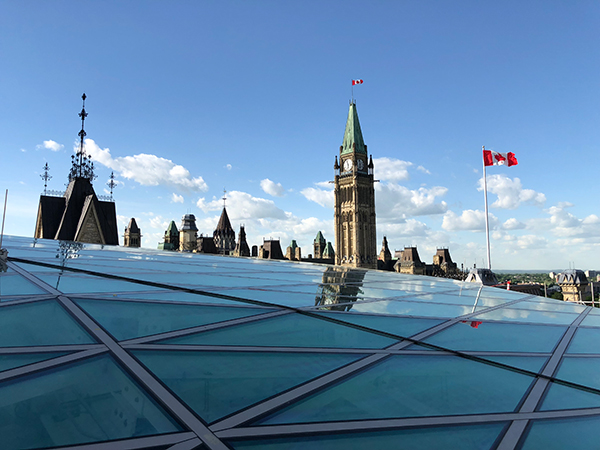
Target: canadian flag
(491,158)
(357,82)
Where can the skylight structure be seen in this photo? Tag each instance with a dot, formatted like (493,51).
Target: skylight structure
(120,348)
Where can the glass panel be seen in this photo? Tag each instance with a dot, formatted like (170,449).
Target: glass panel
(525,315)
(585,341)
(39,323)
(128,320)
(216,384)
(178,296)
(412,386)
(11,361)
(501,337)
(291,330)
(11,283)
(531,363)
(591,320)
(405,308)
(584,371)
(84,402)
(399,326)
(573,434)
(472,437)
(69,283)
(557,305)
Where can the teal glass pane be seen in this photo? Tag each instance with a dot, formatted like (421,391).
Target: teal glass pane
(573,434)
(556,305)
(128,320)
(11,361)
(412,386)
(216,384)
(39,323)
(291,330)
(11,283)
(530,316)
(178,296)
(84,402)
(583,371)
(501,337)
(591,320)
(531,363)
(399,326)
(78,283)
(407,308)
(472,437)
(585,341)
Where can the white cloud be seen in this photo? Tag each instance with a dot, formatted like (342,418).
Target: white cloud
(241,205)
(565,224)
(513,224)
(323,197)
(176,198)
(51,145)
(469,220)
(272,188)
(391,169)
(148,170)
(394,201)
(510,192)
(424,170)
(228,166)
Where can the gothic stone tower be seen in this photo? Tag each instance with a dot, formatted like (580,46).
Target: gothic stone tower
(355,235)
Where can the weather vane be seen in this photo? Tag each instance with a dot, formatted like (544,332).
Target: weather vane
(46,176)
(111,184)
(224,197)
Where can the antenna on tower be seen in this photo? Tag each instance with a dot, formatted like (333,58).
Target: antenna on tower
(111,183)
(224,197)
(82,166)
(46,176)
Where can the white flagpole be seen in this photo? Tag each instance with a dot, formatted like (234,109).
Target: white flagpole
(487,224)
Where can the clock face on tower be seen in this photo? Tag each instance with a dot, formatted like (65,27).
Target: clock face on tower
(360,164)
(348,165)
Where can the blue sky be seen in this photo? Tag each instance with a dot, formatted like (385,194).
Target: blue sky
(187,98)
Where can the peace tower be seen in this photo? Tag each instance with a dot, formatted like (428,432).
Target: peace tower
(355,234)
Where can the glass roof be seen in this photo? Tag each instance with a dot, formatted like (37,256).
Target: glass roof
(138,348)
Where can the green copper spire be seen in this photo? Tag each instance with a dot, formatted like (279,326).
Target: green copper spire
(353,139)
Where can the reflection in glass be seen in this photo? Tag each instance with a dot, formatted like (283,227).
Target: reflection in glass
(573,434)
(67,250)
(471,437)
(88,401)
(339,288)
(412,386)
(215,384)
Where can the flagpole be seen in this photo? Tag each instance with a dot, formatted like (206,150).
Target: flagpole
(487,223)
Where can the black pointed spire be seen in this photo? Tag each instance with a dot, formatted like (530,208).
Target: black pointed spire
(82,166)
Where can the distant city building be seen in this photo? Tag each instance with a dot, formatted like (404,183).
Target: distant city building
(443,265)
(188,234)
(319,246)
(206,244)
(77,214)
(270,249)
(293,252)
(385,261)
(410,262)
(133,235)
(241,248)
(574,285)
(354,193)
(171,239)
(224,236)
